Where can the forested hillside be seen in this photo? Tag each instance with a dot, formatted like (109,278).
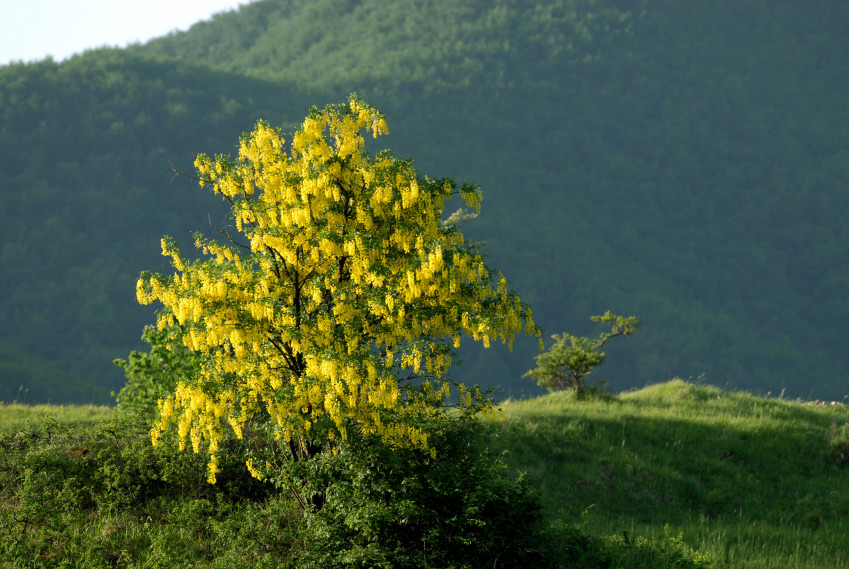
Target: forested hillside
(684,162)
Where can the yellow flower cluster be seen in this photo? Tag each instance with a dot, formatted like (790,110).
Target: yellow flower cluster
(351,281)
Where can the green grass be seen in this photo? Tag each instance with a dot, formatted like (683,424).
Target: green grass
(751,481)
(15,416)
(754,482)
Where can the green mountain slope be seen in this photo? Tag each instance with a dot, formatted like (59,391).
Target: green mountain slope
(408,44)
(86,149)
(685,163)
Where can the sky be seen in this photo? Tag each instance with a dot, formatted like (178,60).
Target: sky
(33,29)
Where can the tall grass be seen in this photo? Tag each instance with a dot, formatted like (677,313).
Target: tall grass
(754,482)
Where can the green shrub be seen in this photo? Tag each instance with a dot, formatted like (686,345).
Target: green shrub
(154,375)
(261,535)
(383,507)
(106,493)
(571,359)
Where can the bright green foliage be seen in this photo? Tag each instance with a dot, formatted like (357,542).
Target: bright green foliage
(338,307)
(571,359)
(154,375)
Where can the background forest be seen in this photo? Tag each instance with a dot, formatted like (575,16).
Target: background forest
(684,162)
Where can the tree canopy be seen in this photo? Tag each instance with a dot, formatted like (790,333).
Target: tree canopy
(340,303)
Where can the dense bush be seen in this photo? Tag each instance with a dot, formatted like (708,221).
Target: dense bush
(406,508)
(66,494)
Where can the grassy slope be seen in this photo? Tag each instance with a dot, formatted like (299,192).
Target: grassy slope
(754,482)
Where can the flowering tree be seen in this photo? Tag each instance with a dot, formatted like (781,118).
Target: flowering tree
(339,305)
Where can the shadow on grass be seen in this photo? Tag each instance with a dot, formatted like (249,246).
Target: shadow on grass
(651,458)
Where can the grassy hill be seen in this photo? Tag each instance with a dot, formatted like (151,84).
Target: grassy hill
(754,482)
(683,162)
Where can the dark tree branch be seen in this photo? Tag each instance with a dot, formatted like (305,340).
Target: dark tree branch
(177,172)
(226,234)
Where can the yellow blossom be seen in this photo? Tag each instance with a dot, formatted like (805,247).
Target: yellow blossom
(348,280)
